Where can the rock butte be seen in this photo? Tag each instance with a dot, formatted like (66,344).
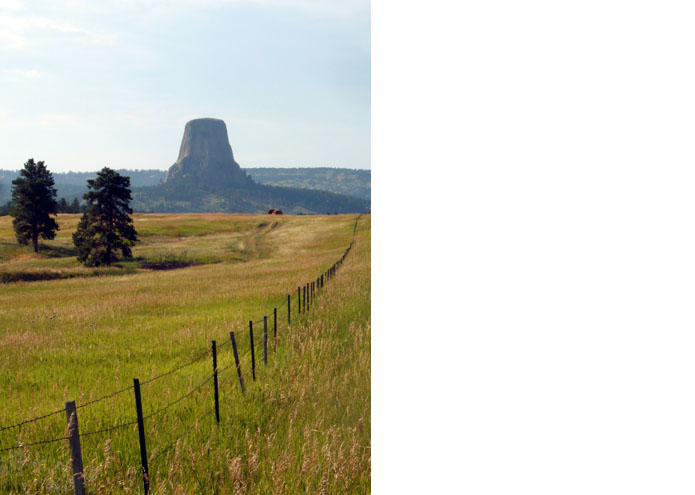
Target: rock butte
(206,158)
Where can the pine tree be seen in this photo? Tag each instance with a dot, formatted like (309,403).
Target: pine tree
(63,206)
(106,226)
(34,204)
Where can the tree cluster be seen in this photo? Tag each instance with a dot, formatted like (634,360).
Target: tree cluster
(72,207)
(105,232)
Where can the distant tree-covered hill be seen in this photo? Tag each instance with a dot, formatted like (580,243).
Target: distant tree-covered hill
(287,189)
(72,185)
(258,198)
(357,183)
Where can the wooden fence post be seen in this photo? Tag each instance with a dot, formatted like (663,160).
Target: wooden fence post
(236,360)
(75,448)
(304,297)
(214,373)
(288,309)
(299,301)
(265,340)
(253,352)
(275,329)
(141,433)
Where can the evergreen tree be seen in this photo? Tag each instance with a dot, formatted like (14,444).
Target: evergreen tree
(74,206)
(106,226)
(33,204)
(63,206)
(6,209)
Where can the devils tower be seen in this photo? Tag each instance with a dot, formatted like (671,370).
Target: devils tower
(206,178)
(206,158)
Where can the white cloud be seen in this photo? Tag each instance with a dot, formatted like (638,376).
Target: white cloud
(173,7)
(19,32)
(56,119)
(20,75)
(11,5)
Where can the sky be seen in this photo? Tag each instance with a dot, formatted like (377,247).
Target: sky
(87,84)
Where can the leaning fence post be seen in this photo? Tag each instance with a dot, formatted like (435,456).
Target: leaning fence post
(236,360)
(141,433)
(253,352)
(214,374)
(75,448)
(275,329)
(265,340)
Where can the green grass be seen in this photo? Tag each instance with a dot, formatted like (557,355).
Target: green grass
(199,238)
(302,427)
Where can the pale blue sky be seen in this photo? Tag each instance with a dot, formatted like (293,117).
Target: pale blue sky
(87,84)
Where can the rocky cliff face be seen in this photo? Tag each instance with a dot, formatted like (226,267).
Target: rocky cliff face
(206,158)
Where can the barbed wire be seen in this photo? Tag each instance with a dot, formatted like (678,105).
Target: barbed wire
(41,442)
(186,432)
(103,397)
(193,361)
(179,399)
(32,420)
(110,428)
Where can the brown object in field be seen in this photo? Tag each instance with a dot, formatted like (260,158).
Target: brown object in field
(278,212)
(271,211)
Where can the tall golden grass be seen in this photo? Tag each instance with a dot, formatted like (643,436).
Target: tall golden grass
(302,427)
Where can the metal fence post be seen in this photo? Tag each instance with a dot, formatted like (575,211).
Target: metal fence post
(236,360)
(265,340)
(75,448)
(214,373)
(253,352)
(141,433)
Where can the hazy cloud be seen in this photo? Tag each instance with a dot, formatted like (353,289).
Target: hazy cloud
(20,75)
(18,32)
(56,119)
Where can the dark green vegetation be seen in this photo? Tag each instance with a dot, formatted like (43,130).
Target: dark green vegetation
(34,204)
(71,185)
(106,227)
(356,183)
(294,181)
(255,198)
(302,427)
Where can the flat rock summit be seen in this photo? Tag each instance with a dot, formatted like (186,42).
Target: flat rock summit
(206,158)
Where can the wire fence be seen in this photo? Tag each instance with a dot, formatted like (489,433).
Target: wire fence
(303,302)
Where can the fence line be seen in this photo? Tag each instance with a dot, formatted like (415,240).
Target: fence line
(311,290)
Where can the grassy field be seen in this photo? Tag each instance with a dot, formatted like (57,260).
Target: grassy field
(302,427)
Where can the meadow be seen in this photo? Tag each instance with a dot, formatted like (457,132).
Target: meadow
(303,426)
